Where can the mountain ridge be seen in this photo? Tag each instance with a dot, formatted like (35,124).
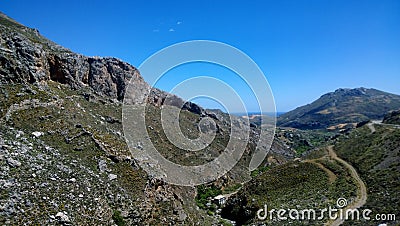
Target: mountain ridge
(343,106)
(28,57)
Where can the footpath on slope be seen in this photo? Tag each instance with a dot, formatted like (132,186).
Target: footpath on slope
(331,176)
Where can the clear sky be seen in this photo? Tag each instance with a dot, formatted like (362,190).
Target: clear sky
(305,48)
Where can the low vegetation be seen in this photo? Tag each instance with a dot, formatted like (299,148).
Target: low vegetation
(296,185)
(205,193)
(376,156)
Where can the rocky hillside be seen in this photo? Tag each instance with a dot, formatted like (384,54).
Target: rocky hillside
(63,155)
(319,179)
(392,117)
(341,108)
(374,151)
(314,183)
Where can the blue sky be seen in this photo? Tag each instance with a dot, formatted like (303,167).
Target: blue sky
(305,48)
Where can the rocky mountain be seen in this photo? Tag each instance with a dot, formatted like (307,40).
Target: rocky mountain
(29,58)
(63,156)
(337,109)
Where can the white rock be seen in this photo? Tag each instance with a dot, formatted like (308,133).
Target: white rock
(112,176)
(37,134)
(19,133)
(72,180)
(13,163)
(102,166)
(8,184)
(62,217)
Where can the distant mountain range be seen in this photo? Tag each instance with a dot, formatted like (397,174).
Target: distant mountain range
(343,106)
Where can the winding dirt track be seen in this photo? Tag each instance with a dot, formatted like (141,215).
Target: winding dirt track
(331,176)
(362,189)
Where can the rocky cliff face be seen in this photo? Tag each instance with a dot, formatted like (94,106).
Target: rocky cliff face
(27,57)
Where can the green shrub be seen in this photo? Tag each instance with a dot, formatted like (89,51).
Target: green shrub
(117,218)
(258,171)
(204,193)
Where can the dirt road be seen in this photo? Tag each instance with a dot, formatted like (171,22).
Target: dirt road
(377,122)
(371,127)
(362,189)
